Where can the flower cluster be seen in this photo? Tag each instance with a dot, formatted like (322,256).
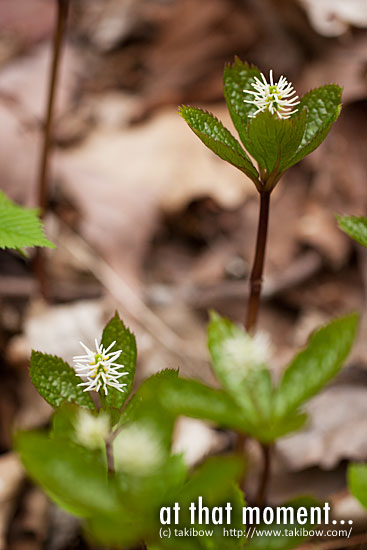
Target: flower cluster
(90,430)
(137,449)
(246,353)
(277,98)
(99,368)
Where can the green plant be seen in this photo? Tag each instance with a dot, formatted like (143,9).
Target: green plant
(275,129)
(115,448)
(115,452)
(356,228)
(249,401)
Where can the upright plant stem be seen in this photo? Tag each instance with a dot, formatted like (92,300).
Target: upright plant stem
(39,266)
(252,315)
(265,476)
(62,13)
(258,265)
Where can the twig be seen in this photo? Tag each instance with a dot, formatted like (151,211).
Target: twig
(39,266)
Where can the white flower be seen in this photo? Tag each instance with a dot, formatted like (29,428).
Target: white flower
(137,450)
(90,430)
(276,98)
(99,368)
(245,353)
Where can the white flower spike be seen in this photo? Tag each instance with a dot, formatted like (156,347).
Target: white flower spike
(99,368)
(277,98)
(247,353)
(91,431)
(137,449)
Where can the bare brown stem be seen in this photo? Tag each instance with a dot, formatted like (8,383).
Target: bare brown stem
(258,265)
(62,13)
(252,314)
(109,456)
(39,266)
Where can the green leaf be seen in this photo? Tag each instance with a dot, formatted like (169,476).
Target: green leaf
(357,482)
(57,382)
(323,106)
(149,404)
(213,494)
(287,535)
(67,422)
(314,367)
(194,399)
(115,331)
(63,422)
(214,481)
(69,474)
(283,426)
(20,227)
(225,470)
(220,140)
(238,77)
(355,227)
(137,517)
(273,142)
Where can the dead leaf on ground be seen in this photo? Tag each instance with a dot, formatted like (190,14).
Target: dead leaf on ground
(336,431)
(11,476)
(334,17)
(24,83)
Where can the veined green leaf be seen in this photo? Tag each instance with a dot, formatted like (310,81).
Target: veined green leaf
(115,331)
(323,106)
(20,227)
(314,367)
(273,142)
(220,140)
(355,227)
(237,78)
(57,382)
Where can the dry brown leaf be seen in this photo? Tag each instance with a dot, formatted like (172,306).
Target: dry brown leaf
(23,83)
(11,476)
(317,228)
(336,430)
(334,17)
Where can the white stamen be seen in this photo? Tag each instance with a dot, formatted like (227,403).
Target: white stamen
(277,98)
(99,368)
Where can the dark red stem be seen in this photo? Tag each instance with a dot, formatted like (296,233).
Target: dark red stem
(258,265)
